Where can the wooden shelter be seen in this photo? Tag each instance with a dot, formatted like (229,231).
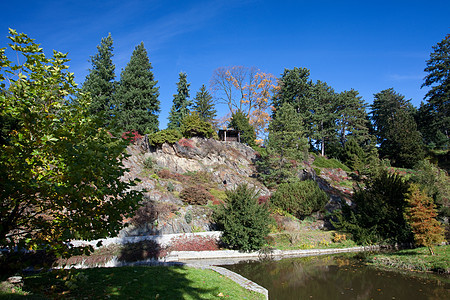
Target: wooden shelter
(229,135)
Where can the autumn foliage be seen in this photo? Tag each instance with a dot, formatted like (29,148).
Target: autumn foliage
(245,89)
(421,215)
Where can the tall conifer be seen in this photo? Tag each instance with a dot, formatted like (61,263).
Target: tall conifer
(204,105)
(181,103)
(100,80)
(136,100)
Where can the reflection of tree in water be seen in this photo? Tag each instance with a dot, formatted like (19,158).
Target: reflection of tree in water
(336,278)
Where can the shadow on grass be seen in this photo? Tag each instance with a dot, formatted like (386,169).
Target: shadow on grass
(130,282)
(158,282)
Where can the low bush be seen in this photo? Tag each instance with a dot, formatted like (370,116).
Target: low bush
(131,136)
(323,162)
(141,251)
(194,243)
(192,125)
(244,222)
(299,198)
(170,136)
(195,195)
(149,163)
(150,211)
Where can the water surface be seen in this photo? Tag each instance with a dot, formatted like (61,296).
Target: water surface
(338,277)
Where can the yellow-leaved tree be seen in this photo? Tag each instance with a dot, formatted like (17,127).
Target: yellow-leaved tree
(421,216)
(245,89)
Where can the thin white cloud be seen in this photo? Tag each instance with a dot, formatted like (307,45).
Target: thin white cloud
(402,77)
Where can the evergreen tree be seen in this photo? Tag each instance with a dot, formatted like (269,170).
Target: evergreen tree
(285,145)
(244,222)
(353,126)
(378,211)
(100,80)
(352,118)
(136,99)
(396,129)
(294,87)
(437,107)
(180,107)
(239,121)
(286,134)
(204,105)
(323,114)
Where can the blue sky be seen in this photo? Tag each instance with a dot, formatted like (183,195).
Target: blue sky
(365,45)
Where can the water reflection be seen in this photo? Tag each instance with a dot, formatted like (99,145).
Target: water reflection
(331,277)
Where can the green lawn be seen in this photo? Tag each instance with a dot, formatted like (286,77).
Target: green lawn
(417,259)
(134,283)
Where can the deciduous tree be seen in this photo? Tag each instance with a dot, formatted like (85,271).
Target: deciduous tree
(244,89)
(421,215)
(59,171)
(136,98)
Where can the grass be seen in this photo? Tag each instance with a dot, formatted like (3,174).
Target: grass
(303,239)
(417,259)
(332,163)
(133,283)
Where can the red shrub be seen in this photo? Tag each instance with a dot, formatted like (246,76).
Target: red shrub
(185,143)
(132,136)
(263,199)
(194,243)
(195,195)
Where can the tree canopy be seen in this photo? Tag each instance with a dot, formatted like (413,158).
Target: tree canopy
(438,103)
(396,129)
(60,171)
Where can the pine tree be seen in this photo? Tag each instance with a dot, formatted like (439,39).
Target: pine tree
(293,87)
(136,99)
(323,114)
(286,134)
(438,104)
(180,107)
(396,129)
(421,216)
(352,118)
(285,145)
(100,80)
(204,105)
(239,121)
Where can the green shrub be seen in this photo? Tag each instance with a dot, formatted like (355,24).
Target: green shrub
(170,136)
(192,125)
(299,198)
(323,162)
(378,215)
(149,163)
(244,222)
(195,195)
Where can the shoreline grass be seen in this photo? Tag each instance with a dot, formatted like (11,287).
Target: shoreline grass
(417,259)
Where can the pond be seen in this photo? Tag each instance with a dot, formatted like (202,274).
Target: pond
(339,277)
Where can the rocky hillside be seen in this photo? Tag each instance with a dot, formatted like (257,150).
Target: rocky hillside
(182,182)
